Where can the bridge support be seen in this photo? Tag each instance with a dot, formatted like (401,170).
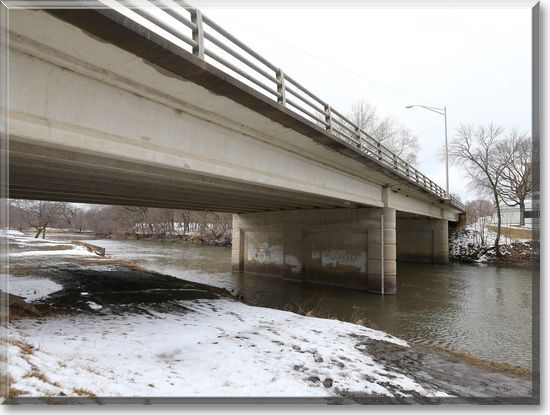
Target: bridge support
(423,240)
(352,248)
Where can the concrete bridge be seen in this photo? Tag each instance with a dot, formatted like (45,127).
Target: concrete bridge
(164,108)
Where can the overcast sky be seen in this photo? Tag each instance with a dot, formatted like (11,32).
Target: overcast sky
(476,61)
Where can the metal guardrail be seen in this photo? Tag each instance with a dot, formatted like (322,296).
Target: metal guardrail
(186,26)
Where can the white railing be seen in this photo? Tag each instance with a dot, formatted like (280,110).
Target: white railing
(189,28)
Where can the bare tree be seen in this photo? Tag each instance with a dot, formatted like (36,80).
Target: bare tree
(388,131)
(516,182)
(39,214)
(134,219)
(73,216)
(16,217)
(364,115)
(480,212)
(475,148)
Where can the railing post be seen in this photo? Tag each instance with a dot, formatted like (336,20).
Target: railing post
(198,33)
(379,151)
(358,131)
(407,169)
(281,89)
(395,162)
(328,117)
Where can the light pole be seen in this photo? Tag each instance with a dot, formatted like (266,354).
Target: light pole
(440,111)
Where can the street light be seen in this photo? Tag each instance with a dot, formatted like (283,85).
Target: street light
(440,111)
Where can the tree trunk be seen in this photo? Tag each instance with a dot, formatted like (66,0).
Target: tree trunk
(38,233)
(522,213)
(499,223)
(44,231)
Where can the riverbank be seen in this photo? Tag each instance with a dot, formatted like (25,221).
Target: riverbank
(465,245)
(109,329)
(193,237)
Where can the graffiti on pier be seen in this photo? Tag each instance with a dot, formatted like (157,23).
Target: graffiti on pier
(334,257)
(265,253)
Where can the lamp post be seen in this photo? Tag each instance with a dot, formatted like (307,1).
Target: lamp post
(440,111)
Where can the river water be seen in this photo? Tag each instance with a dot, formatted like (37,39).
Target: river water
(486,309)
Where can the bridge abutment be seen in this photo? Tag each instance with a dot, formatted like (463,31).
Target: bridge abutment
(354,248)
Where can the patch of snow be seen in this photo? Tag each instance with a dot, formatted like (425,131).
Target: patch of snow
(217,348)
(31,288)
(482,259)
(11,232)
(94,306)
(76,251)
(101,267)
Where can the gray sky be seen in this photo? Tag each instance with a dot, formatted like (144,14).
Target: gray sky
(476,61)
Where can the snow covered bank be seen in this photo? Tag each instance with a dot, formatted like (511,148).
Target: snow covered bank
(465,245)
(216,348)
(26,246)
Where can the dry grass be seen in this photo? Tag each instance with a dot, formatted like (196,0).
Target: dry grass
(11,391)
(94,370)
(26,348)
(59,247)
(310,309)
(120,262)
(464,354)
(516,233)
(84,392)
(369,324)
(41,376)
(20,270)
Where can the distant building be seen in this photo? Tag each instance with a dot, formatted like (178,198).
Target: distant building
(510,215)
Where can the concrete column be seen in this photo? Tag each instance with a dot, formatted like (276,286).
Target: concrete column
(237,246)
(382,277)
(441,242)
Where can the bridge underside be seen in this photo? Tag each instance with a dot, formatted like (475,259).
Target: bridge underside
(45,173)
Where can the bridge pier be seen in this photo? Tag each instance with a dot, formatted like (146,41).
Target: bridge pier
(423,240)
(354,248)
